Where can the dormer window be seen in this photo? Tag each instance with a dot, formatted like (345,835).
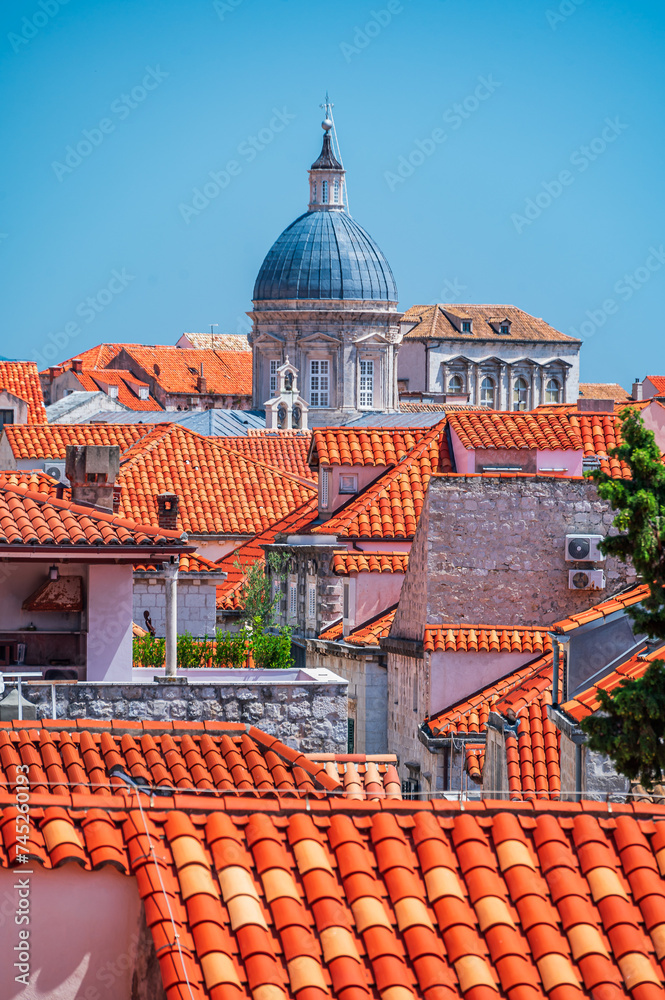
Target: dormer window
(113,391)
(324,192)
(466,326)
(143,392)
(504,329)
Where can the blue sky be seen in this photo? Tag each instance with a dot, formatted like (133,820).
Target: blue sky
(542,185)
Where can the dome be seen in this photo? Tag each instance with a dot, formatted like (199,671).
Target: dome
(325,255)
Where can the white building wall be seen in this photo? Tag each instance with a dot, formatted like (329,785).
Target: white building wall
(110,622)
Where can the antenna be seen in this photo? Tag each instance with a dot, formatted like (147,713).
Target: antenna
(327,107)
(211,326)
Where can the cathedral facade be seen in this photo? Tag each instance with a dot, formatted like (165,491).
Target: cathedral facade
(326,300)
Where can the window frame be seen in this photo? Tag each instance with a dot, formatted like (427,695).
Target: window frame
(548,391)
(320,392)
(457,378)
(292,599)
(467,326)
(517,402)
(312,601)
(352,486)
(324,192)
(324,488)
(364,392)
(6,417)
(272,377)
(483,389)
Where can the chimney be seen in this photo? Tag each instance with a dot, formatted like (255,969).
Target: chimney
(638,390)
(201,382)
(167,511)
(77,364)
(92,470)
(54,371)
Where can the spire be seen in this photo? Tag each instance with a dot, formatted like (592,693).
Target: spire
(326,175)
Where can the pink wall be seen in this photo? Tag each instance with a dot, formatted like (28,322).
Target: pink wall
(366,474)
(654,418)
(411,364)
(374,592)
(84,932)
(571,461)
(454,676)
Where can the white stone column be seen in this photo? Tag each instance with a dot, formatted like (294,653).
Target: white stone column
(171,587)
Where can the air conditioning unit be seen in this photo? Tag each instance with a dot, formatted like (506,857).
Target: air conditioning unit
(583,548)
(586,579)
(56,470)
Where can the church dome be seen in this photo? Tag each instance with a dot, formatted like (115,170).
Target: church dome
(325,255)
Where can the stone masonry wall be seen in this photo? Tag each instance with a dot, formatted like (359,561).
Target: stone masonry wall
(309,564)
(496,548)
(310,717)
(196,604)
(408,697)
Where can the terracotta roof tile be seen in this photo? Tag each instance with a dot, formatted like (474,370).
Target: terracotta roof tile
(485,639)
(34,519)
(219,341)
(50,440)
(586,702)
(21,378)
(190,562)
(177,371)
(369,633)
(433,323)
(604,390)
(626,599)
(283,450)
(94,379)
(33,482)
(658,382)
(496,429)
(346,562)
(390,899)
(363,446)
(390,507)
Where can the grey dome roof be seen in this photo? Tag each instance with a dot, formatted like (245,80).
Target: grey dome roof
(325,255)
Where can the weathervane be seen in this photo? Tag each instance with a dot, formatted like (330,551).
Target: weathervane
(328,124)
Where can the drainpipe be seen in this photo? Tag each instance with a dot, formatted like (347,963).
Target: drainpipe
(578,772)
(171,585)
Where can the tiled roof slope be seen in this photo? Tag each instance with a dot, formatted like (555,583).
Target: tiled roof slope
(369,562)
(51,440)
(188,563)
(220,490)
(33,482)
(625,599)
(92,379)
(398,901)
(237,563)
(96,357)
(363,446)
(21,378)
(433,324)
(486,639)
(390,507)
(586,702)
(367,634)
(219,341)
(362,775)
(285,450)
(658,382)
(604,390)
(495,429)
(31,519)
(177,370)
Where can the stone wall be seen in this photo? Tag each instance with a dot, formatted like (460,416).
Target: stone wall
(408,697)
(307,714)
(196,604)
(308,564)
(367,678)
(496,549)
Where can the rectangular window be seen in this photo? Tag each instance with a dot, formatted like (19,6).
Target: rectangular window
(143,392)
(505,329)
(466,326)
(367,384)
(6,417)
(274,365)
(345,612)
(348,484)
(319,383)
(323,487)
(335,191)
(311,601)
(293,598)
(324,192)
(313,192)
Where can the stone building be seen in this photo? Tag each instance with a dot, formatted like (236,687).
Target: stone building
(326,298)
(495,356)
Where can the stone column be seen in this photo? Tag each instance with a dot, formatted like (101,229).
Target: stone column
(469,370)
(533,388)
(542,385)
(564,395)
(477,377)
(171,587)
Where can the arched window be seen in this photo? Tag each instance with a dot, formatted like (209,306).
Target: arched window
(324,192)
(520,394)
(552,391)
(336,191)
(455,385)
(313,192)
(487,392)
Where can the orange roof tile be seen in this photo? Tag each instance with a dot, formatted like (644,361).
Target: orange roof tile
(50,440)
(390,507)
(397,900)
(34,519)
(236,563)
(284,450)
(626,599)
(604,390)
(95,357)
(498,429)
(586,702)
(433,323)
(658,382)
(21,378)
(94,379)
(220,490)
(363,446)
(333,632)
(189,563)
(363,776)
(176,370)
(367,634)
(33,482)
(486,639)
(345,562)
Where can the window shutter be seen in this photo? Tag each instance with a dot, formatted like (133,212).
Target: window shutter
(293,598)
(324,474)
(311,601)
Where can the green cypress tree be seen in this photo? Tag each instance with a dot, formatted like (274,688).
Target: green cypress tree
(630,729)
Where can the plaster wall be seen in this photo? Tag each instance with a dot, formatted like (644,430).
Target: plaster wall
(374,592)
(8,401)
(110,608)
(455,676)
(85,934)
(367,678)
(366,474)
